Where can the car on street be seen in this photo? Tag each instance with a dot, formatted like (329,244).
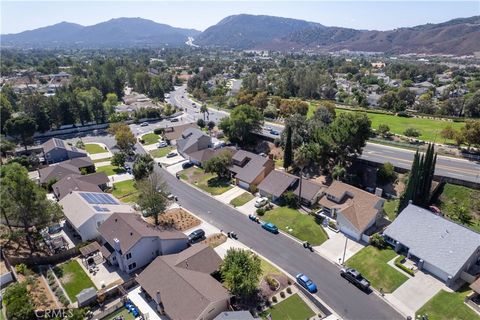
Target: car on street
(270,227)
(172,154)
(174,120)
(305,282)
(260,202)
(187,165)
(196,235)
(162,144)
(144,124)
(355,277)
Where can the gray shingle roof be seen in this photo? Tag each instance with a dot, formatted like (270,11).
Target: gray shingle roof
(277,182)
(251,169)
(434,239)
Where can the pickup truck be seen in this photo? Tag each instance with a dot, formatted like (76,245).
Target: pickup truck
(356,278)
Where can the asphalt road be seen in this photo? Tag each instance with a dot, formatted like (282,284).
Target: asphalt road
(460,169)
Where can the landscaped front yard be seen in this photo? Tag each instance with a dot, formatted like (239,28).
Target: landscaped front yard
(93,148)
(73,278)
(150,138)
(242,199)
(110,170)
(448,306)
(372,264)
(289,309)
(304,227)
(206,181)
(125,190)
(161,152)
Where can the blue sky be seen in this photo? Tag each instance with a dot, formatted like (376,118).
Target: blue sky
(17,16)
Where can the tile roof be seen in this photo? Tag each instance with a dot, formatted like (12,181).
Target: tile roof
(438,241)
(130,228)
(183,282)
(251,169)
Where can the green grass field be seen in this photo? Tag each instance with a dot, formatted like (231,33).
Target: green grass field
(429,129)
(305,227)
(372,264)
(449,306)
(125,191)
(161,152)
(150,138)
(73,278)
(93,148)
(268,268)
(206,181)
(291,308)
(242,199)
(454,196)
(390,208)
(110,170)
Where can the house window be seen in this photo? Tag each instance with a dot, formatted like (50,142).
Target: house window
(128,256)
(132,266)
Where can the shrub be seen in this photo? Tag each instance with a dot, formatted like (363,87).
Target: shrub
(159,130)
(289,282)
(272,283)
(260,211)
(291,200)
(289,290)
(332,224)
(282,294)
(274,299)
(80,145)
(18,302)
(378,241)
(398,263)
(411,132)
(253,189)
(21,268)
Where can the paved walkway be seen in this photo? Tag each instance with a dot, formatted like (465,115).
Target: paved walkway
(177,167)
(150,147)
(103,163)
(333,248)
(120,177)
(231,194)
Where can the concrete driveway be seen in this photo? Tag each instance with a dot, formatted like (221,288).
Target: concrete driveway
(333,248)
(249,207)
(170,161)
(415,292)
(231,194)
(177,167)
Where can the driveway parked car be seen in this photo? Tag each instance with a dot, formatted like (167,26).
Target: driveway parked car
(260,202)
(270,227)
(196,236)
(305,282)
(172,154)
(355,277)
(187,165)
(162,144)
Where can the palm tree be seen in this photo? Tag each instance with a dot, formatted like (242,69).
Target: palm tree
(204,109)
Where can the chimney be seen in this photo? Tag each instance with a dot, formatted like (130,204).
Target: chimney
(159,300)
(116,245)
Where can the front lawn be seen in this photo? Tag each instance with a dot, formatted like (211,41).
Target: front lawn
(150,138)
(102,160)
(110,170)
(454,196)
(161,152)
(208,182)
(304,227)
(93,148)
(242,199)
(390,208)
(73,278)
(268,268)
(125,190)
(289,309)
(448,306)
(372,264)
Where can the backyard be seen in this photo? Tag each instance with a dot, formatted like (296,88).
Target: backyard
(161,152)
(93,148)
(110,170)
(150,138)
(448,306)
(454,197)
(120,314)
(241,199)
(289,309)
(208,182)
(73,278)
(372,264)
(125,191)
(390,208)
(302,226)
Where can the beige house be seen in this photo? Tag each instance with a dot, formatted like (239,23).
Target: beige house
(249,169)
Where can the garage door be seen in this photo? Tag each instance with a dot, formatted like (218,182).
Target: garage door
(243,184)
(350,232)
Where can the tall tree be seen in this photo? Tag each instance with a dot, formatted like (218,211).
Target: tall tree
(124,136)
(22,127)
(288,152)
(219,165)
(142,166)
(240,271)
(152,197)
(204,110)
(243,121)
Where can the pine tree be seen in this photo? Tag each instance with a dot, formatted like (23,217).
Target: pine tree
(287,155)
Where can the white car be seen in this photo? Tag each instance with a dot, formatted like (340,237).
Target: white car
(162,144)
(260,202)
(144,124)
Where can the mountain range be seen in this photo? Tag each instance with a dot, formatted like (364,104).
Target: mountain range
(243,31)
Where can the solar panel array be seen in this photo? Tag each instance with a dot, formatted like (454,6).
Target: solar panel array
(98,198)
(101,209)
(59,143)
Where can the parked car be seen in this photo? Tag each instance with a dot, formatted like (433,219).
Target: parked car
(260,202)
(128,169)
(187,165)
(196,235)
(144,124)
(55,228)
(355,277)
(270,227)
(172,154)
(274,132)
(174,120)
(162,144)
(305,282)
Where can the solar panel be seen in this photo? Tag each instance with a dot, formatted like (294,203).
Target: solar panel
(98,198)
(101,209)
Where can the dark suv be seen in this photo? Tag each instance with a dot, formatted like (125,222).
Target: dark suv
(196,236)
(356,278)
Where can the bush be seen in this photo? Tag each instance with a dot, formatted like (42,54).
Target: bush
(289,282)
(289,290)
(332,224)
(398,263)
(260,211)
(386,174)
(282,294)
(411,132)
(18,302)
(378,241)
(80,144)
(272,283)
(253,189)
(274,299)
(158,130)
(291,199)
(21,268)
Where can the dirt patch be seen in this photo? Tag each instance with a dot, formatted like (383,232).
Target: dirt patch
(215,240)
(42,297)
(178,219)
(17,246)
(265,288)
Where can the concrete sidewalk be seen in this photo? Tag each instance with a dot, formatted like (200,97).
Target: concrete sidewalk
(120,177)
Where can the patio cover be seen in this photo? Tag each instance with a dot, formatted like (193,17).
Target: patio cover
(89,249)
